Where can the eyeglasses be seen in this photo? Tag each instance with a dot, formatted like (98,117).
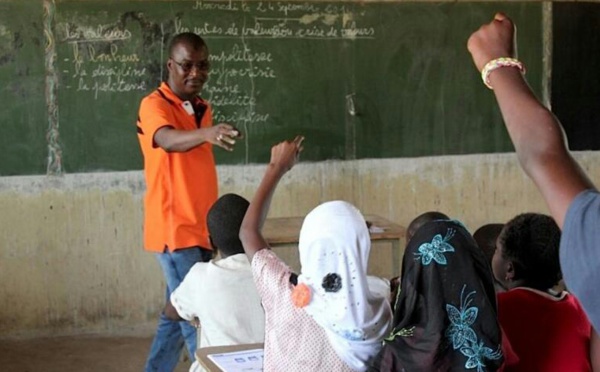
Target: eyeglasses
(187,66)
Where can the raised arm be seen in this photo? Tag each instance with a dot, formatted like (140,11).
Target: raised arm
(535,132)
(283,158)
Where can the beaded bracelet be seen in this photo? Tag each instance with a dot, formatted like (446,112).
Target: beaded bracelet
(497,63)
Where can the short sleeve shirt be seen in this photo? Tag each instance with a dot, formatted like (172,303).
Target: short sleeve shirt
(180,186)
(222,295)
(580,252)
(293,340)
(548,334)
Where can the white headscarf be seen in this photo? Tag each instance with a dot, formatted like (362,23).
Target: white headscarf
(334,245)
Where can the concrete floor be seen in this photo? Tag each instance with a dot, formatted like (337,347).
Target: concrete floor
(77,353)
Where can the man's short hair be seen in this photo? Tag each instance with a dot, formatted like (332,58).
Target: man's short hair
(224,220)
(188,38)
(531,241)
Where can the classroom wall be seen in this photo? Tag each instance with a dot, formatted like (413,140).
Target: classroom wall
(71,257)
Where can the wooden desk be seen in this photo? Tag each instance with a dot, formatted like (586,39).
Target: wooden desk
(286,230)
(202,354)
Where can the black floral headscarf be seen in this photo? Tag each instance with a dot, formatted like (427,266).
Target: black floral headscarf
(445,315)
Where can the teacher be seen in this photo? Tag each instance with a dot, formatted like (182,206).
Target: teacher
(176,135)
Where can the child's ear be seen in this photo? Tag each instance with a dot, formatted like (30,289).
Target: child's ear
(214,247)
(510,271)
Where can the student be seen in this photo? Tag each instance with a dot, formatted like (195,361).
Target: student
(486,237)
(541,147)
(547,329)
(421,220)
(221,293)
(326,319)
(445,314)
(413,226)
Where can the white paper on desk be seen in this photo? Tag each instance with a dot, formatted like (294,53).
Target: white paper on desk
(238,361)
(376,229)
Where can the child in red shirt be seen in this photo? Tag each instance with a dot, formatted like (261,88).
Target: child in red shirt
(548,330)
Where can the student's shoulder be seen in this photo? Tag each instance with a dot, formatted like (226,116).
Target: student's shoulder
(265,257)
(268,268)
(517,297)
(198,270)
(572,310)
(572,301)
(583,210)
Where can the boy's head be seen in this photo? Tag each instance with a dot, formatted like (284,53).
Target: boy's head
(486,237)
(421,220)
(527,252)
(224,220)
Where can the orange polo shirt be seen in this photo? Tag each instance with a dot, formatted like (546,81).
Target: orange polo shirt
(180,186)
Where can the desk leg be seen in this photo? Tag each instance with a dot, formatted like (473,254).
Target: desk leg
(396,258)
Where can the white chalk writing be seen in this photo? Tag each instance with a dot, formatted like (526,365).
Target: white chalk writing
(280,20)
(233,76)
(112,56)
(105,71)
(238,68)
(105,61)
(241,53)
(109,85)
(82,34)
(232,6)
(240,118)
(222,74)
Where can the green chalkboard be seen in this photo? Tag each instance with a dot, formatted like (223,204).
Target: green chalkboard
(359,80)
(575,74)
(23,120)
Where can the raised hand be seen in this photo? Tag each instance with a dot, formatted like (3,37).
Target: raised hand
(285,154)
(493,40)
(283,157)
